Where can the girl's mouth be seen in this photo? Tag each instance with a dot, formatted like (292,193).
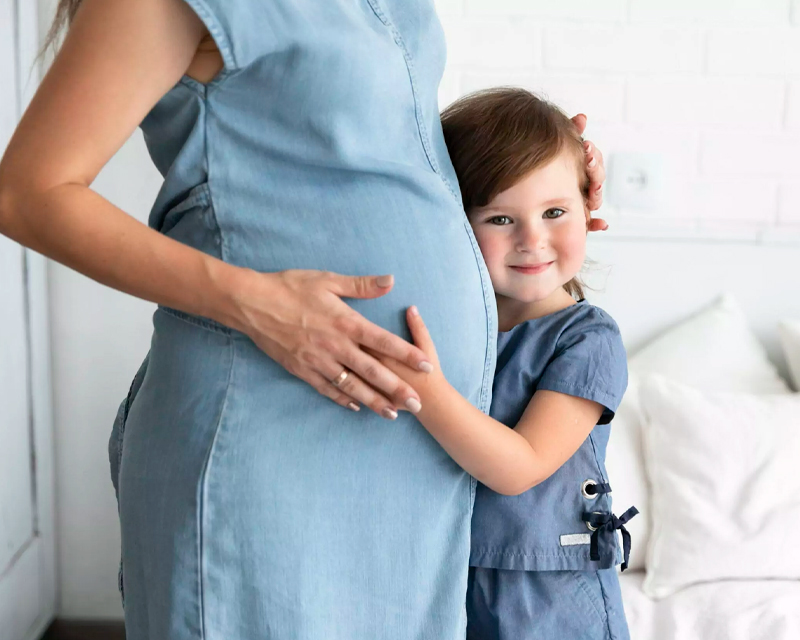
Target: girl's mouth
(532,269)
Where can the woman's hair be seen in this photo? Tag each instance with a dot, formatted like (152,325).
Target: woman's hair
(496,137)
(65,12)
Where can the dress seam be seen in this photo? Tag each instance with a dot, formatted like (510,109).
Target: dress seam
(211,202)
(581,579)
(595,393)
(216,31)
(409,62)
(230,64)
(597,463)
(489,326)
(199,321)
(206,89)
(202,495)
(606,598)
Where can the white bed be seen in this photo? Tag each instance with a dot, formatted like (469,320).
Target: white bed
(653,289)
(720,610)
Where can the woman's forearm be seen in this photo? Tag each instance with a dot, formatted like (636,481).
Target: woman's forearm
(79,228)
(488,450)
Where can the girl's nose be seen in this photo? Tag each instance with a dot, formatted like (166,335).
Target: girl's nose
(531,238)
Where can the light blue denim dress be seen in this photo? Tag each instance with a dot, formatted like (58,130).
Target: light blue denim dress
(251,506)
(543,562)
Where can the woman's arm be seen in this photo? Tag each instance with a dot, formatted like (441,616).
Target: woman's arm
(509,461)
(118,59)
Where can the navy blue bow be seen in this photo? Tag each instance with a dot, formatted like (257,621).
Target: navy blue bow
(608,522)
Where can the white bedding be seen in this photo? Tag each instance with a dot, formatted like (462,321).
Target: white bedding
(721,610)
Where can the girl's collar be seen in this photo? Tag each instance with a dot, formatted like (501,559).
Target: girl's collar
(549,315)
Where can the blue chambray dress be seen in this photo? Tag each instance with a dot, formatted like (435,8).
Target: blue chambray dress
(538,570)
(252,507)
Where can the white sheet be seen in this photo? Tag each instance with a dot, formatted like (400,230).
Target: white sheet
(723,610)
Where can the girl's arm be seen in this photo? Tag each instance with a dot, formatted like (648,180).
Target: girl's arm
(508,461)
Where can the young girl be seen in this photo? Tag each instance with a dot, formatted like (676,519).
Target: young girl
(544,542)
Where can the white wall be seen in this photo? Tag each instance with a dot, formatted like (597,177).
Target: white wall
(712,84)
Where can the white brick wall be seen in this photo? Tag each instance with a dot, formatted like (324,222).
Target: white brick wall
(712,85)
(793,107)
(590,11)
(622,48)
(713,13)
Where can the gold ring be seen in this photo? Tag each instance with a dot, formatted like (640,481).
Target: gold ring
(340,378)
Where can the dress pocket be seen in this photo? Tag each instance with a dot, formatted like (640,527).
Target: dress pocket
(193,221)
(588,585)
(115,442)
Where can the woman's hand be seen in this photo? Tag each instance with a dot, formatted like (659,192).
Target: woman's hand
(297,317)
(426,384)
(595,169)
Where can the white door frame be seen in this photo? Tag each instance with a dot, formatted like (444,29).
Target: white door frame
(28,597)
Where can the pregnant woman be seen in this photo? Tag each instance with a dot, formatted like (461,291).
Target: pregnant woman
(302,156)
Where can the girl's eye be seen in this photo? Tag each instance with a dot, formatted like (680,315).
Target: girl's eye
(499,224)
(558,213)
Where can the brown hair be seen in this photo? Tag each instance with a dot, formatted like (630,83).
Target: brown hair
(496,137)
(65,13)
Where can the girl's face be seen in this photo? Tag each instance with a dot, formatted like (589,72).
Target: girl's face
(533,238)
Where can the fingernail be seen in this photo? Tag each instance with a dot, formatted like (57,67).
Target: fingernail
(588,146)
(599,189)
(384,281)
(413,405)
(353,406)
(391,414)
(592,162)
(414,311)
(425,366)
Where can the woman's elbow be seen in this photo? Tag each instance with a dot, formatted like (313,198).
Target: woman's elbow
(6,207)
(10,205)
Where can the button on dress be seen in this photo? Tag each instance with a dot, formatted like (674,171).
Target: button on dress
(252,507)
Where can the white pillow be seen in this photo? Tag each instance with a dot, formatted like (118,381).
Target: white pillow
(725,486)
(713,350)
(789,331)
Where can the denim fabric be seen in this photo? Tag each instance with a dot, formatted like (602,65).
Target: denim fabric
(115,446)
(577,351)
(251,506)
(545,605)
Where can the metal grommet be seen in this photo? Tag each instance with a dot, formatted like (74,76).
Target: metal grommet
(586,484)
(589,525)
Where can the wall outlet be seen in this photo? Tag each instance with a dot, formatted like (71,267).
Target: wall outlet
(636,181)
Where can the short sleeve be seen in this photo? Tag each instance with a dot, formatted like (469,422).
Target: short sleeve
(241,28)
(590,362)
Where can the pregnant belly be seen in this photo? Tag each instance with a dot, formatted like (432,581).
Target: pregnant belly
(372,224)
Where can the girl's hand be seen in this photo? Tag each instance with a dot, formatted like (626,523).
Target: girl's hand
(424,383)
(595,169)
(297,317)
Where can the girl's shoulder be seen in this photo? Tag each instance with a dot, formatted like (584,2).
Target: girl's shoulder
(581,317)
(590,324)
(588,316)
(580,331)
